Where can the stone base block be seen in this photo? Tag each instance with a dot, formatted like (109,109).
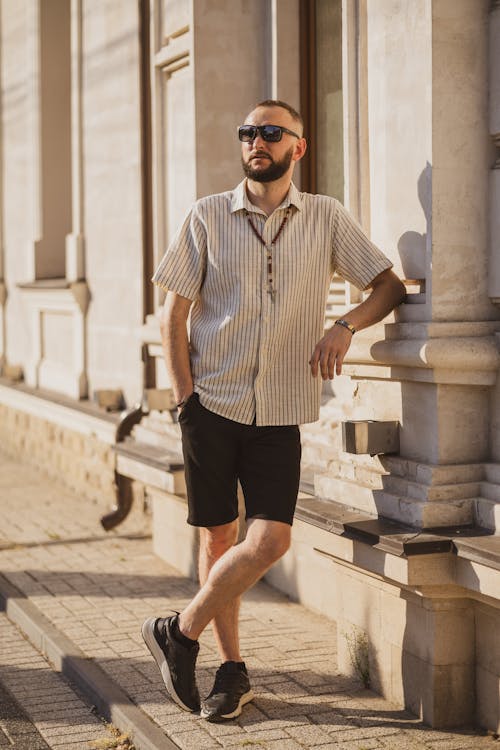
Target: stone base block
(433,649)
(79,459)
(173,540)
(377,498)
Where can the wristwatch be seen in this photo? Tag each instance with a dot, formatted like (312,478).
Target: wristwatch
(345,324)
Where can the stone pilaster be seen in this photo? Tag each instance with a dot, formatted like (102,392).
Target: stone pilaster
(50,137)
(75,241)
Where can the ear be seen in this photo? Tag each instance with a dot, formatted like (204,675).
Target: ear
(300,149)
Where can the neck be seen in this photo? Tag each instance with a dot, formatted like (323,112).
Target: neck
(268,195)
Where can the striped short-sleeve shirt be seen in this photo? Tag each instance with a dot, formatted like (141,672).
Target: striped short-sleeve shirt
(250,349)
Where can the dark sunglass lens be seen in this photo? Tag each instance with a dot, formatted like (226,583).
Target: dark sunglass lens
(271,133)
(247,133)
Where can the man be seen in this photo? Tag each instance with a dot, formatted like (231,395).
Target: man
(253,266)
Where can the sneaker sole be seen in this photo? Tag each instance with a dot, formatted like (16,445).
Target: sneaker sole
(246,698)
(148,635)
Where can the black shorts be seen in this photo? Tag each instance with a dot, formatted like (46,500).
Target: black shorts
(218,452)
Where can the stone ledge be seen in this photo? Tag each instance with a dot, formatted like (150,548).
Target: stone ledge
(81,417)
(150,465)
(471,542)
(83,406)
(485,550)
(466,355)
(151,455)
(52,284)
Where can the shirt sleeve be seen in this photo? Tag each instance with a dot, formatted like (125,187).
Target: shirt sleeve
(354,256)
(182,268)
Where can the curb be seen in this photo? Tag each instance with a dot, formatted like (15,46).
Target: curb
(110,700)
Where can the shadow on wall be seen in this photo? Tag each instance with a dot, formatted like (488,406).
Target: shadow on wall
(437,655)
(413,247)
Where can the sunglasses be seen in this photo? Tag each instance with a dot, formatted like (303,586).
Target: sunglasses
(272,133)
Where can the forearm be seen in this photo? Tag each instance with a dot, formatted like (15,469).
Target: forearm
(387,292)
(175,344)
(382,299)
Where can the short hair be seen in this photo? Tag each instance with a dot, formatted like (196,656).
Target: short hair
(284,105)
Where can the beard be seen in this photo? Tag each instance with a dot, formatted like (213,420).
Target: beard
(274,171)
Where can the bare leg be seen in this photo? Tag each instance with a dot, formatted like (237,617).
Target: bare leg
(215,542)
(233,573)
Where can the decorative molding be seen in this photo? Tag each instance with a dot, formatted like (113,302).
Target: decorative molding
(173,56)
(170,53)
(173,64)
(42,299)
(467,360)
(81,294)
(168,39)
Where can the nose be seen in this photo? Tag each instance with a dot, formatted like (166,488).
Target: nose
(258,140)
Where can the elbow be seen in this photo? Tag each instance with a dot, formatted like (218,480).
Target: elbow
(400,293)
(163,322)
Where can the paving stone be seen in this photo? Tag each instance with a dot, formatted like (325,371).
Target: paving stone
(51,710)
(194,740)
(309,735)
(461,743)
(357,745)
(97,588)
(261,735)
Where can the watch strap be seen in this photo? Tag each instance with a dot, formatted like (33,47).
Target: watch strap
(345,324)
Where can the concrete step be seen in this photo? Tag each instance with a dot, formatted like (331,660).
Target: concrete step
(492,473)
(490,491)
(487,513)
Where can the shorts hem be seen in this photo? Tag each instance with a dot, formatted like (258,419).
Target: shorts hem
(202,525)
(265,517)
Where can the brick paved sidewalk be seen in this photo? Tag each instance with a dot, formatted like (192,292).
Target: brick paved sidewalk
(97,589)
(60,718)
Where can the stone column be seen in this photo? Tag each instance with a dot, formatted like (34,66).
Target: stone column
(494,127)
(434,366)
(75,247)
(3,288)
(50,136)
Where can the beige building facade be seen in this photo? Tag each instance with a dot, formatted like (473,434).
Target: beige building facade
(115,117)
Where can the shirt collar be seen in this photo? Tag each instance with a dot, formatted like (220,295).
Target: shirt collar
(240,200)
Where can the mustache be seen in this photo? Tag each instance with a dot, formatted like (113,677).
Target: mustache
(257,154)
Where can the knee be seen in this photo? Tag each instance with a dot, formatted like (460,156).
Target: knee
(273,544)
(215,540)
(281,545)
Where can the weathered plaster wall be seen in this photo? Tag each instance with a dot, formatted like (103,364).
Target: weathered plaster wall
(112,193)
(399,37)
(17,70)
(461,161)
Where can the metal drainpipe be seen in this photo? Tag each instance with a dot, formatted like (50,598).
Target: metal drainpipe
(122,485)
(123,488)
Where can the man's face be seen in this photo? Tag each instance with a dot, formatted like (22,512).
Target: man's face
(264,161)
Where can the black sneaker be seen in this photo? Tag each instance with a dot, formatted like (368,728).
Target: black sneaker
(229,694)
(176,661)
